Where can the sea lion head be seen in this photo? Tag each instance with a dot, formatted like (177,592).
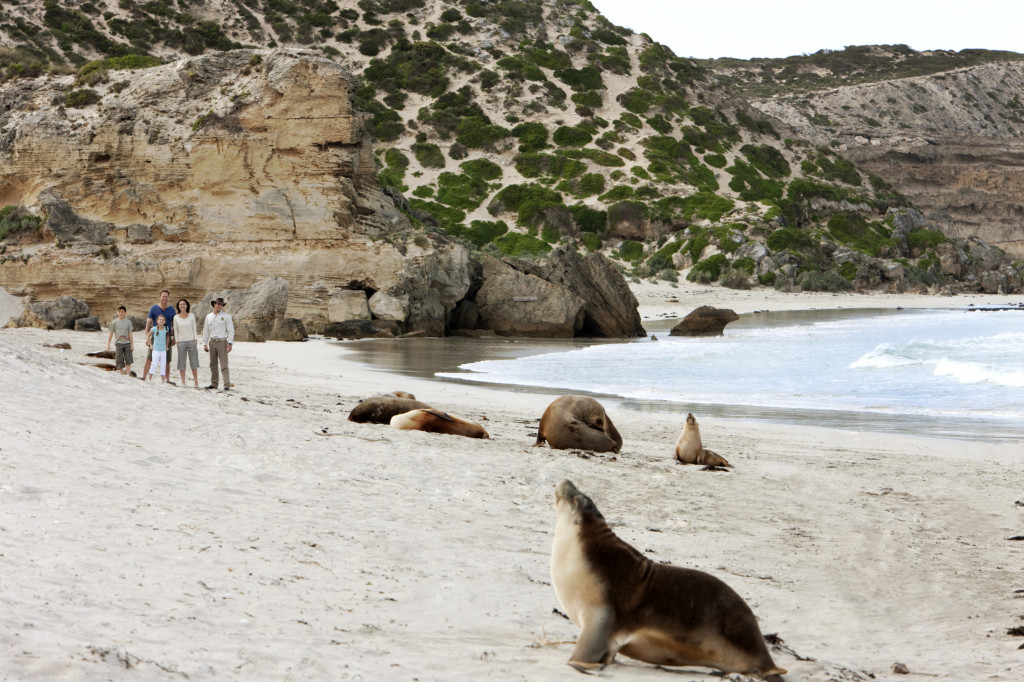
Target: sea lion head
(573,505)
(690,419)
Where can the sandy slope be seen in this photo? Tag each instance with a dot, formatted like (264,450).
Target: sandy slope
(217,536)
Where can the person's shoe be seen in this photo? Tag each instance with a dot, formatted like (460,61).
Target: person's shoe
(211,387)
(227,388)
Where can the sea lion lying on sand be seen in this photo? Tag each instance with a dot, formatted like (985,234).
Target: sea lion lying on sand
(659,614)
(63,345)
(105,354)
(436,421)
(690,450)
(576,422)
(379,409)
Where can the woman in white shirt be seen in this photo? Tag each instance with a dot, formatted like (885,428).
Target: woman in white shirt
(186,337)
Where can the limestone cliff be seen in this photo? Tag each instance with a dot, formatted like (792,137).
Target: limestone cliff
(951,142)
(211,173)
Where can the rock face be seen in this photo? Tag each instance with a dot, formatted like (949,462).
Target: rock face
(610,308)
(208,174)
(254,312)
(58,313)
(949,142)
(704,321)
(513,303)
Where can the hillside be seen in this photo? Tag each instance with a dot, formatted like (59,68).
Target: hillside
(513,125)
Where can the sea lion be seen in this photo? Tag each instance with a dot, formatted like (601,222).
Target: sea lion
(379,409)
(63,345)
(105,366)
(625,603)
(577,422)
(105,354)
(690,450)
(436,421)
(403,394)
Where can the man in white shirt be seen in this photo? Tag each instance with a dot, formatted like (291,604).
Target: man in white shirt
(218,336)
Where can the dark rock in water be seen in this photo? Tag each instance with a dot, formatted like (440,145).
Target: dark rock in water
(358,329)
(87,324)
(288,329)
(704,321)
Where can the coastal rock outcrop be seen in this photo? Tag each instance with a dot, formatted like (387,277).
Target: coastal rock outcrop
(58,313)
(704,321)
(513,303)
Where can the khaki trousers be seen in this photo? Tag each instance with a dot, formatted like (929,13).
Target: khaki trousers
(219,354)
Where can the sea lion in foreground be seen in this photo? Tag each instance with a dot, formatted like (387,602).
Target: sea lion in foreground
(690,450)
(625,603)
(379,409)
(575,422)
(436,421)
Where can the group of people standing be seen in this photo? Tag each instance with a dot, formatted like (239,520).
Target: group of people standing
(167,327)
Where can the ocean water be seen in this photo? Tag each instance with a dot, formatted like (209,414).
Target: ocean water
(944,373)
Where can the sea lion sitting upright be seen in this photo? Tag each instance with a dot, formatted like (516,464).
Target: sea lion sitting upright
(379,409)
(625,603)
(436,421)
(690,450)
(577,422)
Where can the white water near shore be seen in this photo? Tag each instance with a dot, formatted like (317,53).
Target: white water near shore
(155,532)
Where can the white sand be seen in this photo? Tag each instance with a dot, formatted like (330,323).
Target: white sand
(181,532)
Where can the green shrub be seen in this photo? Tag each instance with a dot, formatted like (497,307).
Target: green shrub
(549,233)
(519,244)
(590,99)
(631,120)
(618,193)
(591,241)
(601,158)
(589,219)
(696,244)
(482,169)
(925,239)
(481,232)
(571,136)
(637,101)
(586,78)
(750,185)
(559,166)
(767,159)
(589,185)
(477,133)
(786,238)
(532,136)
(630,250)
(416,67)
(840,169)
(706,206)
(824,281)
(716,160)
(766,279)
(712,266)
(461,191)
(853,230)
(746,264)
(128,61)
(527,200)
(83,97)
(428,154)
(848,270)
(16,219)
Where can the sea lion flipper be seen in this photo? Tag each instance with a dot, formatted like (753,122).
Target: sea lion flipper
(593,651)
(442,415)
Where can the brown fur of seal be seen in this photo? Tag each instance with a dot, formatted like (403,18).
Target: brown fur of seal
(403,394)
(690,449)
(659,614)
(105,366)
(576,422)
(105,354)
(63,345)
(436,421)
(379,409)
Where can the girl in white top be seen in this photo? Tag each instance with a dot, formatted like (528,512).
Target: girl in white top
(185,337)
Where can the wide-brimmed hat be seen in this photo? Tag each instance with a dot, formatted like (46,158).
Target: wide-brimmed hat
(219,300)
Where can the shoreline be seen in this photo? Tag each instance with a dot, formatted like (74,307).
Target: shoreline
(225,536)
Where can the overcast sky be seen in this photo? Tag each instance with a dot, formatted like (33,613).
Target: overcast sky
(782,28)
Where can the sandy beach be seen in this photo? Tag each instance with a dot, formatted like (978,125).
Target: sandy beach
(156,532)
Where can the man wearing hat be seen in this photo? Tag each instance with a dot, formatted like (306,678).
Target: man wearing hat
(218,335)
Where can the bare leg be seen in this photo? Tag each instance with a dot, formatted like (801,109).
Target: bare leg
(182,373)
